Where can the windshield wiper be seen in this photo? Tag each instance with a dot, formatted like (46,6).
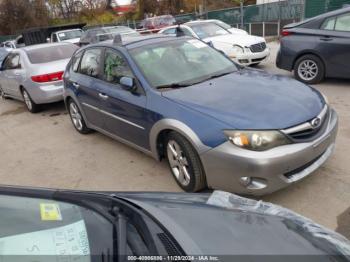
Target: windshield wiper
(121,234)
(218,75)
(172,86)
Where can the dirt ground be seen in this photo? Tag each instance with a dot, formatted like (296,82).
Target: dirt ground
(43,150)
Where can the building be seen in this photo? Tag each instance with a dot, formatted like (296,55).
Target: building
(124,6)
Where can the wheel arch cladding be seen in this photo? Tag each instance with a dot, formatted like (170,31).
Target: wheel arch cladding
(164,126)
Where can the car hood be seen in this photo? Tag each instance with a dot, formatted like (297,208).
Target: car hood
(209,224)
(252,100)
(238,39)
(237,31)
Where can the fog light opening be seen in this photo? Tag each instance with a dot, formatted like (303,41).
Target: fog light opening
(253,183)
(244,61)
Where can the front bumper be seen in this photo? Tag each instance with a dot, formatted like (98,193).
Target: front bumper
(279,167)
(250,58)
(47,93)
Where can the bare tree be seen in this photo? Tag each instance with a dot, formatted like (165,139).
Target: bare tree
(19,14)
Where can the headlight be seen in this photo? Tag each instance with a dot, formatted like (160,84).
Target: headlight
(238,49)
(257,140)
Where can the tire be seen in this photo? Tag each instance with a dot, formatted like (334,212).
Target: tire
(31,105)
(2,94)
(182,158)
(309,69)
(77,118)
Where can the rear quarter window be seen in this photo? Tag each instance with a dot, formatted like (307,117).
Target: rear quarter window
(329,23)
(51,53)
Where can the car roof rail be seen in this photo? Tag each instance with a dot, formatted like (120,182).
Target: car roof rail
(118,40)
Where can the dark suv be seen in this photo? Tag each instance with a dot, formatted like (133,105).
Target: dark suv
(318,47)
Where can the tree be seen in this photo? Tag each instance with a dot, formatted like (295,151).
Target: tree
(20,14)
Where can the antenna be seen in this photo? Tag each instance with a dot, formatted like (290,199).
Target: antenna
(117,40)
(179,31)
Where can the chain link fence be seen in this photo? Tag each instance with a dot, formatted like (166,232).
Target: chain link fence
(264,20)
(317,7)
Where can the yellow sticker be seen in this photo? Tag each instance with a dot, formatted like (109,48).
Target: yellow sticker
(50,212)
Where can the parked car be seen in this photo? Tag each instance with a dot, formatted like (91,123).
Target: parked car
(219,126)
(100,34)
(317,48)
(229,28)
(53,34)
(3,54)
(243,49)
(122,30)
(60,225)
(33,74)
(158,22)
(70,35)
(8,45)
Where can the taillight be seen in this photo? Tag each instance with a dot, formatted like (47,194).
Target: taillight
(48,77)
(286,33)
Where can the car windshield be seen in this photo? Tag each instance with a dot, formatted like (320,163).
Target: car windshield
(223,24)
(33,226)
(66,35)
(96,35)
(122,30)
(204,30)
(51,53)
(180,63)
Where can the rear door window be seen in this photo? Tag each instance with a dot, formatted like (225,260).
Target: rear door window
(343,23)
(339,23)
(91,61)
(52,53)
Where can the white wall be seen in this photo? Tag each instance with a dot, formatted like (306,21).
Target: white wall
(260,2)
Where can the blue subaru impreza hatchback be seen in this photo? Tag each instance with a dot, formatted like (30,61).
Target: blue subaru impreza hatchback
(218,125)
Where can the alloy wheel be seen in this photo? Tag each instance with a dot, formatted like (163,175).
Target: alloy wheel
(76,116)
(178,163)
(308,70)
(27,100)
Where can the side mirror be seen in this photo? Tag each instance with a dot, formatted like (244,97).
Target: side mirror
(128,83)
(210,43)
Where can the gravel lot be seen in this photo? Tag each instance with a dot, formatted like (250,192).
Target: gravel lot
(44,150)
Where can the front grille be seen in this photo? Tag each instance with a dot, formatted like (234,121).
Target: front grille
(257,48)
(311,133)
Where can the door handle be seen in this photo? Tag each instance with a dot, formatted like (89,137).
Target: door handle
(103,96)
(76,85)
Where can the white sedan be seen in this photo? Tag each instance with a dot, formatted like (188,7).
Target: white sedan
(244,49)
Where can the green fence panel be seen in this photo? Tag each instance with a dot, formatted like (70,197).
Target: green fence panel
(283,10)
(7,37)
(185,17)
(317,7)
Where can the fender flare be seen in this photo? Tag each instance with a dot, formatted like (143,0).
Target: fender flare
(70,95)
(181,128)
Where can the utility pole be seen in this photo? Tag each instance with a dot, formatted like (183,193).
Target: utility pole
(242,13)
